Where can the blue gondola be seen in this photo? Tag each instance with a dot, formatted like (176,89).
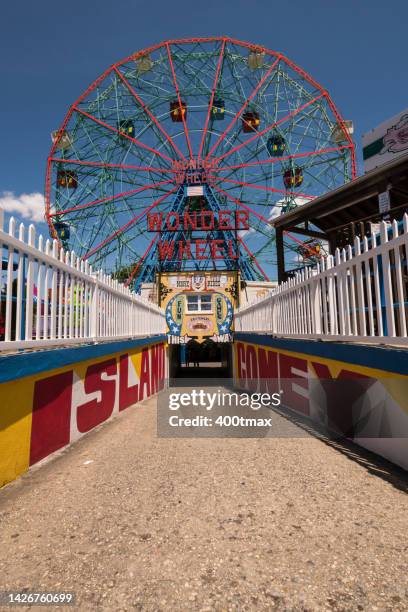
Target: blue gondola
(276,145)
(62,230)
(126,127)
(218,110)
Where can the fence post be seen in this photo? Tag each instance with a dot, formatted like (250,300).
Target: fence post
(316,301)
(94,310)
(387,306)
(29,288)
(331,290)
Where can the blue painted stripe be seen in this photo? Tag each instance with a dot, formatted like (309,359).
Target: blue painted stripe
(379,357)
(25,364)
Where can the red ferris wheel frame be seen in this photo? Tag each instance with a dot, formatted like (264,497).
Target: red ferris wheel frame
(74,108)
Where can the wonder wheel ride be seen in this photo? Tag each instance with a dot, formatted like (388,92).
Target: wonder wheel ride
(186,126)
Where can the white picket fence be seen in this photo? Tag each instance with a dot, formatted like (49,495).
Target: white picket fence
(359,295)
(51,297)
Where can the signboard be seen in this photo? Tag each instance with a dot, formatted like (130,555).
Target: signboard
(195,190)
(386,142)
(198,305)
(203,222)
(384,202)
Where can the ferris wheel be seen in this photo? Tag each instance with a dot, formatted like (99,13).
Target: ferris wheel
(256,129)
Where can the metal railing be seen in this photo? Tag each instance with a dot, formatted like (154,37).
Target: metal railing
(51,297)
(359,295)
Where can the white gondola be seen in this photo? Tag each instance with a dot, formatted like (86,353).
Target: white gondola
(144,63)
(339,131)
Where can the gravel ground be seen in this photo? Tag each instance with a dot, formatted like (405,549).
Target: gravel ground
(132,522)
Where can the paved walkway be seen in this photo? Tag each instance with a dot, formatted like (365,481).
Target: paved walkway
(132,522)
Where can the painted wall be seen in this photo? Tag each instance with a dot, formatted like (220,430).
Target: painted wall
(49,399)
(215,324)
(353,390)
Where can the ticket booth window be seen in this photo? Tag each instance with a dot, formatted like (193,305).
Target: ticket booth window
(198,303)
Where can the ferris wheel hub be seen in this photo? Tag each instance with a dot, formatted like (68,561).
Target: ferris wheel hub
(195,171)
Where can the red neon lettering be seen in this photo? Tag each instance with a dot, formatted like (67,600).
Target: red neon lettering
(166,249)
(155,221)
(210,215)
(224,220)
(216,249)
(200,246)
(231,253)
(241,217)
(190,220)
(184,249)
(173,221)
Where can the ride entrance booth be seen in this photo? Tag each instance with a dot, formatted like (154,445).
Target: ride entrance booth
(199,309)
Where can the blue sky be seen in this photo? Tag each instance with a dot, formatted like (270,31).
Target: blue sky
(50,52)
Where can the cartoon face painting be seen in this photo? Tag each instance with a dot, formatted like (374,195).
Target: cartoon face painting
(198,282)
(396,138)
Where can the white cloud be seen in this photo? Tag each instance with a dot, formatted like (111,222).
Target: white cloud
(276,211)
(27,205)
(243,233)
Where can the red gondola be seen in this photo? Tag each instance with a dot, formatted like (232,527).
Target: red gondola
(293,177)
(175,109)
(250,121)
(67,178)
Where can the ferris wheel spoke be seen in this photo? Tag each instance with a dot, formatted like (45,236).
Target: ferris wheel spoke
(242,205)
(214,87)
(102,179)
(176,87)
(272,126)
(134,140)
(261,251)
(274,160)
(253,259)
(129,224)
(263,188)
(110,198)
(141,260)
(243,107)
(105,165)
(148,112)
